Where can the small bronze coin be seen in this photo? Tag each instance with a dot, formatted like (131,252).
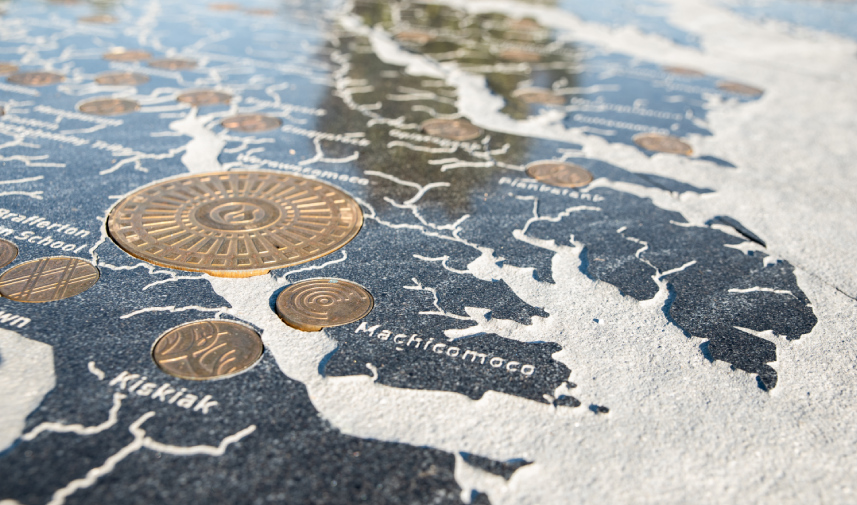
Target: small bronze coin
(538,96)
(525,24)
(109,106)
(8,252)
(314,304)
(204,97)
(173,64)
(261,12)
(452,129)
(234,224)
(414,36)
(662,143)
(206,350)
(8,68)
(35,78)
(559,173)
(48,279)
(122,79)
(682,71)
(122,54)
(251,123)
(224,7)
(101,19)
(520,56)
(739,89)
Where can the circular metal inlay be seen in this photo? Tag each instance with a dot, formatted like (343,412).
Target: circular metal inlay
(452,129)
(109,106)
(204,97)
(224,7)
(101,19)
(251,123)
(740,89)
(684,72)
(8,68)
(662,143)
(48,279)
(314,304)
(35,78)
(234,224)
(538,96)
(122,79)
(8,252)
(206,350)
(559,173)
(122,54)
(414,36)
(173,64)
(520,56)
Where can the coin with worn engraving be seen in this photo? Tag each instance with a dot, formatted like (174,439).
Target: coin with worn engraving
(662,143)
(206,350)
(224,7)
(683,71)
(35,78)
(234,224)
(314,304)
(740,89)
(520,55)
(8,68)
(251,123)
(8,252)
(121,79)
(101,19)
(122,54)
(414,36)
(204,97)
(108,106)
(452,129)
(538,96)
(48,279)
(559,173)
(173,64)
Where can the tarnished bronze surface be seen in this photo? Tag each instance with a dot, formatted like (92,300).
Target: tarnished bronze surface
(682,71)
(35,78)
(122,79)
(314,304)
(173,64)
(417,37)
(223,6)
(204,97)
(452,129)
(559,173)
(101,19)
(109,106)
(234,224)
(8,68)
(8,252)
(122,54)
(738,88)
(251,123)
(662,143)
(48,279)
(538,96)
(206,350)
(520,55)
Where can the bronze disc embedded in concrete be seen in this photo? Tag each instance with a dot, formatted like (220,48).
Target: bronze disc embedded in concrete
(682,71)
(261,12)
(520,56)
(8,68)
(538,96)
(121,79)
(35,78)
(224,7)
(739,89)
(8,252)
(201,98)
(122,54)
(173,64)
(48,279)
(662,143)
(251,123)
(108,106)
(559,173)
(415,36)
(100,19)
(452,129)
(314,304)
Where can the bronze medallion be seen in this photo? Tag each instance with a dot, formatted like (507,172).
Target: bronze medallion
(204,97)
(414,36)
(452,129)
(48,279)
(8,68)
(122,79)
(739,89)
(662,143)
(224,7)
(122,54)
(559,173)
(251,123)
(234,224)
(173,64)
(684,72)
(314,304)
(8,252)
(101,19)
(538,96)
(206,350)
(35,78)
(520,56)
(108,106)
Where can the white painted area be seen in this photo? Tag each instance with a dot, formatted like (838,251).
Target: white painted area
(26,376)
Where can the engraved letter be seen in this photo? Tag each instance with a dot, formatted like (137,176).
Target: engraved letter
(123,378)
(510,364)
(473,355)
(497,362)
(528,369)
(204,404)
(162,392)
(449,352)
(438,346)
(187,402)
(147,389)
(365,328)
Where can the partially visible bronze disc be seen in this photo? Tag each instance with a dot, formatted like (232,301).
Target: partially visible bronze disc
(314,304)
(122,54)
(173,64)
(234,224)
(224,7)
(538,96)
(520,56)
(417,37)
(740,89)
(662,143)
(48,279)
(251,123)
(109,106)
(204,97)
(8,252)
(8,68)
(35,78)
(682,71)
(207,350)
(452,129)
(261,12)
(101,19)
(122,79)
(559,173)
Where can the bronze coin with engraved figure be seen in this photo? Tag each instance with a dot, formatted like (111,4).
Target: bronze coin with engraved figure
(99,19)
(452,129)
(251,123)
(121,79)
(739,89)
(173,64)
(559,173)
(8,252)
(8,68)
(206,350)
(109,106)
(662,143)
(122,54)
(538,96)
(234,224)
(203,97)
(48,279)
(314,304)
(35,78)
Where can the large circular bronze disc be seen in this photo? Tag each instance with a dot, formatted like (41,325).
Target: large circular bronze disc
(234,224)
(8,252)
(662,143)
(314,304)
(452,129)
(48,279)
(559,173)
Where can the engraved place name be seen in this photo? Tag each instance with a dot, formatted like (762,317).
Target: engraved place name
(136,385)
(531,185)
(38,222)
(13,320)
(313,172)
